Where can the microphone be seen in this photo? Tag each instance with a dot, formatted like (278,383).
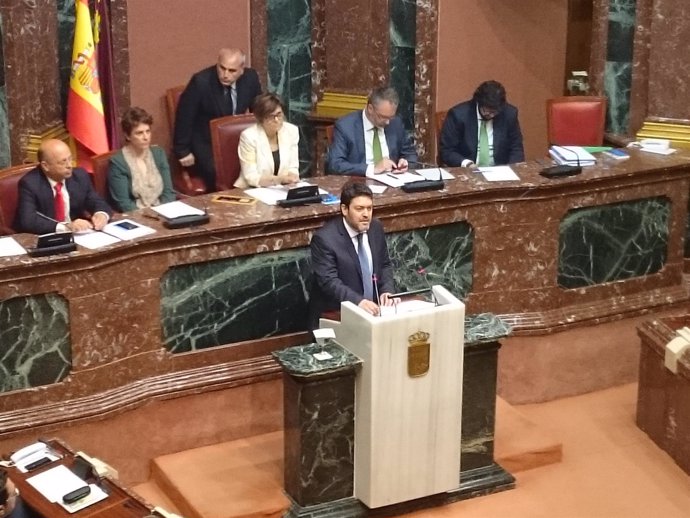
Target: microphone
(39,213)
(560,170)
(375,281)
(421,271)
(187,220)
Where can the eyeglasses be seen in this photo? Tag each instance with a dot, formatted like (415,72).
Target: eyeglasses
(277,116)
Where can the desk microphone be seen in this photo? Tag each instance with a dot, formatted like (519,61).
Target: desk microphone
(421,271)
(39,213)
(189,220)
(375,282)
(558,171)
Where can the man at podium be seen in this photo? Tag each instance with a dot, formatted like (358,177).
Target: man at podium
(350,258)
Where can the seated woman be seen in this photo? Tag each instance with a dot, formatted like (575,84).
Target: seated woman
(139,174)
(268,149)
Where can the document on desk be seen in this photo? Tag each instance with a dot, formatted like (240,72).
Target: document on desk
(93,239)
(127,229)
(177,209)
(398,179)
(499,173)
(55,483)
(406,306)
(272,195)
(433,173)
(10,247)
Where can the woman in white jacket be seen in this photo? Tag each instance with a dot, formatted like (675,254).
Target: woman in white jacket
(268,149)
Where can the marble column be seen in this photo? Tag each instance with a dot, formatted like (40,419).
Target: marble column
(29,33)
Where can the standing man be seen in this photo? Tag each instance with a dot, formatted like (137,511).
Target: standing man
(56,196)
(373,140)
(349,258)
(228,88)
(483,131)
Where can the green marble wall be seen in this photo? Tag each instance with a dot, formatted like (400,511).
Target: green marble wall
(65,29)
(35,346)
(244,298)
(289,66)
(4,118)
(613,242)
(403,26)
(618,66)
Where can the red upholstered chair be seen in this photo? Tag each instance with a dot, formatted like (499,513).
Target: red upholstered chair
(9,194)
(182,180)
(225,137)
(576,120)
(100,173)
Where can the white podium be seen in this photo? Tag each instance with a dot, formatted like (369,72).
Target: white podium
(408,399)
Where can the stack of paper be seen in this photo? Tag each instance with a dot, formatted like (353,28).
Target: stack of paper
(571,155)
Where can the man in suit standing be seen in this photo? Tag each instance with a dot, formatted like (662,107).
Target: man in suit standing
(483,131)
(56,196)
(371,141)
(228,88)
(350,259)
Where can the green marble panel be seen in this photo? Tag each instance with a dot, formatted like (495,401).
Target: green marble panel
(35,346)
(289,66)
(250,297)
(613,242)
(402,35)
(618,68)
(444,252)
(230,300)
(65,29)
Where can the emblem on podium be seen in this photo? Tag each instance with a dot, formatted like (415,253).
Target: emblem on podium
(418,354)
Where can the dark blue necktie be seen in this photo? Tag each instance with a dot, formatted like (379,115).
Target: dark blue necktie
(365,267)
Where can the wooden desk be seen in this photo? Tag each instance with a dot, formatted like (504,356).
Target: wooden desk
(120,502)
(168,313)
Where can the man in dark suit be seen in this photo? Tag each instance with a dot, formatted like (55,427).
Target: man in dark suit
(59,192)
(11,504)
(350,259)
(371,141)
(228,88)
(483,131)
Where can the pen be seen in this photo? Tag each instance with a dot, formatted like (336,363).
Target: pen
(391,175)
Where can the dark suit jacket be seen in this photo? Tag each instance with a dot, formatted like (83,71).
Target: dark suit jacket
(201,101)
(35,194)
(459,135)
(347,153)
(335,265)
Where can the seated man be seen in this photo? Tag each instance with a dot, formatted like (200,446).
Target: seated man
(11,504)
(56,196)
(228,88)
(349,258)
(483,131)
(373,140)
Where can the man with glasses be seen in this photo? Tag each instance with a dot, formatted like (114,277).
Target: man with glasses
(11,505)
(483,131)
(371,141)
(56,196)
(227,88)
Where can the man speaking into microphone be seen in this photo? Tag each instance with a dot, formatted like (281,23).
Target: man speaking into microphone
(350,258)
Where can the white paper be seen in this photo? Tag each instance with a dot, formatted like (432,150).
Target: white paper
(433,173)
(499,173)
(406,306)
(323,355)
(96,495)
(94,239)
(55,483)
(176,209)
(272,195)
(10,247)
(116,229)
(658,151)
(378,189)
(25,461)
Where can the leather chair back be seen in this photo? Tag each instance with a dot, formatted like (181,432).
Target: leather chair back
(576,120)
(9,195)
(182,180)
(440,119)
(100,173)
(225,137)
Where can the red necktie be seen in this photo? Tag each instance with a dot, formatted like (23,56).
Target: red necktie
(59,203)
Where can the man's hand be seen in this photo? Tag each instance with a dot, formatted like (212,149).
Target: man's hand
(369,306)
(99,220)
(386,164)
(187,161)
(79,225)
(402,165)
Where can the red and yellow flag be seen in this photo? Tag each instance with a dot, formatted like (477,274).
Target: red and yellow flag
(85,120)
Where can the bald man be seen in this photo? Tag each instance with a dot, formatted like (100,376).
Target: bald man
(56,196)
(228,88)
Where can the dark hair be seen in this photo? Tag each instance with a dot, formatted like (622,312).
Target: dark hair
(265,104)
(3,487)
(133,117)
(352,189)
(383,93)
(490,94)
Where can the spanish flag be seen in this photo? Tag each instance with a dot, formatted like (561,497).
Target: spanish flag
(85,120)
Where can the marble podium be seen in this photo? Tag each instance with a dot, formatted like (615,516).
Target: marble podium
(407,399)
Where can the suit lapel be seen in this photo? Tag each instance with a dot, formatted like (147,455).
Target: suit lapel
(360,148)
(349,246)
(391,142)
(499,134)
(473,131)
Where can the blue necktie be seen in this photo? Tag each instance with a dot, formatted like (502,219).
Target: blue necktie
(366,269)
